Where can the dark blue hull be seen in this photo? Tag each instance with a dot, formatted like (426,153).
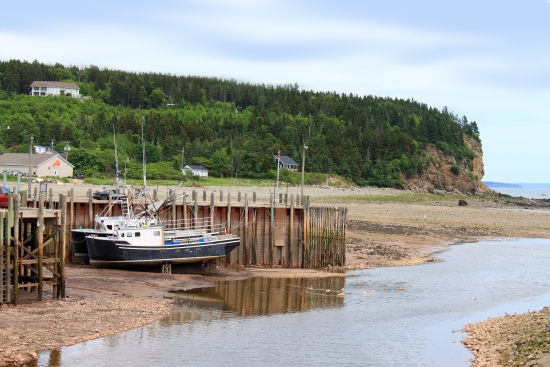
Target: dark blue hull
(80,249)
(107,252)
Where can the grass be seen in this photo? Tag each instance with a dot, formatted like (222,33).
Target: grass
(399,198)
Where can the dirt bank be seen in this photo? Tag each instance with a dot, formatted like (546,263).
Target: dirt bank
(511,340)
(386,228)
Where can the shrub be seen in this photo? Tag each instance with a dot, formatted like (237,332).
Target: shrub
(456,169)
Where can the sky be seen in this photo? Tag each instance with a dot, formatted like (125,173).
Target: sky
(488,60)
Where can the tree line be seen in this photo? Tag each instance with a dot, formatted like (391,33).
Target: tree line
(232,128)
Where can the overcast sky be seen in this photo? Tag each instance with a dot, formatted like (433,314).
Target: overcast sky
(487,60)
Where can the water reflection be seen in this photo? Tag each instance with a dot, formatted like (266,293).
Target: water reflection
(296,322)
(255,297)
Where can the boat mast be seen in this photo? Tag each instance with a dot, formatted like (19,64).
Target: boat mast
(116,162)
(144,168)
(143,152)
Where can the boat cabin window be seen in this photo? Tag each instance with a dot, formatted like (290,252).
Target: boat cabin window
(138,234)
(129,234)
(122,235)
(156,233)
(109,227)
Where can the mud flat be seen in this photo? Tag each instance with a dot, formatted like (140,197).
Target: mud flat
(386,228)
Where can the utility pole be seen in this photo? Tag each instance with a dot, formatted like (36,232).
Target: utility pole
(304,147)
(182,154)
(30,166)
(278,164)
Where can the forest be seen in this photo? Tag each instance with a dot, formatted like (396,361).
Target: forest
(232,128)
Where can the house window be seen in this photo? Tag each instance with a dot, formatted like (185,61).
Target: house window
(129,234)
(54,172)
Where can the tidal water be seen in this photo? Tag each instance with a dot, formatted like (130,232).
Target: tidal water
(296,322)
(526,192)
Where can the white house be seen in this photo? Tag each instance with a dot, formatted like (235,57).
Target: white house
(41,149)
(196,170)
(42,164)
(45,89)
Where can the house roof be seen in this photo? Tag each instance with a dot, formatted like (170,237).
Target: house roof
(196,168)
(22,159)
(286,160)
(55,84)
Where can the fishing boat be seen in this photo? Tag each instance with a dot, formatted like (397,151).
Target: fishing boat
(104,225)
(140,238)
(151,245)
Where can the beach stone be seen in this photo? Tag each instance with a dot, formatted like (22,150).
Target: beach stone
(462,202)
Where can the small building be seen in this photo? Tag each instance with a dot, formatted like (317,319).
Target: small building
(41,149)
(42,165)
(199,170)
(44,89)
(287,162)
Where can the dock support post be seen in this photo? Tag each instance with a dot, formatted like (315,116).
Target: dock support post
(228,226)
(16,221)
(291,232)
(272,233)
(221,195)
(211,212)
(2,276)
(72,219)
(24,201)
(110,203)
(185,224)
(246,259)
(203,195)
(254,197)
(195,209)
(40,237)
(90,208)
(174,212)
(50,199)
(6,234)
(63,206)
(239,197)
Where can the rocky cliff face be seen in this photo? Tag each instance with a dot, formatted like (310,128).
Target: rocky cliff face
(439,175)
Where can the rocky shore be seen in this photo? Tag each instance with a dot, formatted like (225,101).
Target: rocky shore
(386,228)
(511,340)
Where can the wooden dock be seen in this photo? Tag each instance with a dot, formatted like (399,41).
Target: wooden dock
(32,249)
(287,233)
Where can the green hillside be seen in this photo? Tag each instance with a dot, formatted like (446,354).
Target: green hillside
(232,128)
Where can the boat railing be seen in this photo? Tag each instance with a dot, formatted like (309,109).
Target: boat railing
(199,224)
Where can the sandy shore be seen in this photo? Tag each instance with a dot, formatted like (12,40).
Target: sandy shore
(386,228)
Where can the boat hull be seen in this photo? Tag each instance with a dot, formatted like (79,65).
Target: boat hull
(108,252)
(80,249)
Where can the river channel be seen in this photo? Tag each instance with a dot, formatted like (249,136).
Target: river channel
(296,322)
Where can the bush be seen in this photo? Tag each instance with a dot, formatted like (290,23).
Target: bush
(456,169)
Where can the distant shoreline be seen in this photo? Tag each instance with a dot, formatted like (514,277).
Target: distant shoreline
(502,185)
